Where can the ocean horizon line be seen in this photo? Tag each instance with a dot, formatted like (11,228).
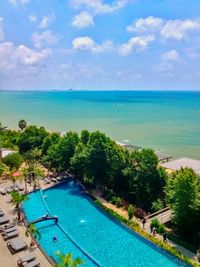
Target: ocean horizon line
(101,90)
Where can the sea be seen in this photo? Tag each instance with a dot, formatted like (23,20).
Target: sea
(163,120)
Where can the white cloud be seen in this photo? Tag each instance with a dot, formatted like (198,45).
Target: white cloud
(86,43)
(28,56)
(136,44)
(82,20)
(171,55)
(168,29)
(98,6)
(46,37)
(15,57)
(146,24)
(47,20)
(14,2)
(1,29)
(178,29)
(33,18)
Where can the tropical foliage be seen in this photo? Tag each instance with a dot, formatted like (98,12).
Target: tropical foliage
(13,161)
(22,124)
(17,199)
(33,231)
(66,260)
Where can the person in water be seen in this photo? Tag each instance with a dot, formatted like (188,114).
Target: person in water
(55,239)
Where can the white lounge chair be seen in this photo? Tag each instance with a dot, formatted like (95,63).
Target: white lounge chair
(26,258)
(3,191)
(17,245)
(1,213)
(34,263)
(10,235)
(7,226)
(20,187)
(9,230)
(9,189)
(4,219)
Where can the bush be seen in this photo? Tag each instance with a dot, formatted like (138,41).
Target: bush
(13,161)
(157,225)
(116,201)
(140,213)
(131,210)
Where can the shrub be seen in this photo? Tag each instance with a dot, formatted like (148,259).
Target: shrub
(131,210)
(157,225)
(140,213)
(116,201)
(13,161)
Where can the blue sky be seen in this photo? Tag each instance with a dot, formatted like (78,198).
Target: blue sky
(100,45)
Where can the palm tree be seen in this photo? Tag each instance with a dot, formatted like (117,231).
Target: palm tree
(17,199)
(66,260)
(22,124)
(33,231)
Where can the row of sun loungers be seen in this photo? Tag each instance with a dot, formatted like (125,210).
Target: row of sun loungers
(9,189)
(17,244)
(54,179)
(29,259)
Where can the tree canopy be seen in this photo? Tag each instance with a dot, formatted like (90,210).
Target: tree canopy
(183,193)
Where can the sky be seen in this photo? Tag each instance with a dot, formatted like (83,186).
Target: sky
(99,45)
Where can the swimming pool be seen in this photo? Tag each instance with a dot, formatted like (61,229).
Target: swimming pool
(88,232)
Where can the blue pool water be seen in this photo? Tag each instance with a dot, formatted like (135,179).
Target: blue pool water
(87,232)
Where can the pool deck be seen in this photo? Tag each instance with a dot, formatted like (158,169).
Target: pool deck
(6,258)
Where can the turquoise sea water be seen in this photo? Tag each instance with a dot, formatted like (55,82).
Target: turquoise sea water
(162,120)
(98,238)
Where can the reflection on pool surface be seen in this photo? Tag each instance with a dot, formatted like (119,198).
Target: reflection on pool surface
(87,232)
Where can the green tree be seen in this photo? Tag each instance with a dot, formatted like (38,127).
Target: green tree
(85,136)
(146,179)
(79,161)
(59,155)
(32,137)
(17,199)
(22,124)
(66,260)
(103,159)
(49,141)
(13,161)
(183,193)
(2,128)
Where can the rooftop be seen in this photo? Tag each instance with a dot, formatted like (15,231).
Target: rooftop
(177,164)
(6,152)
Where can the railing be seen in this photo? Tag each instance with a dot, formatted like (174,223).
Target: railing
(148,217)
